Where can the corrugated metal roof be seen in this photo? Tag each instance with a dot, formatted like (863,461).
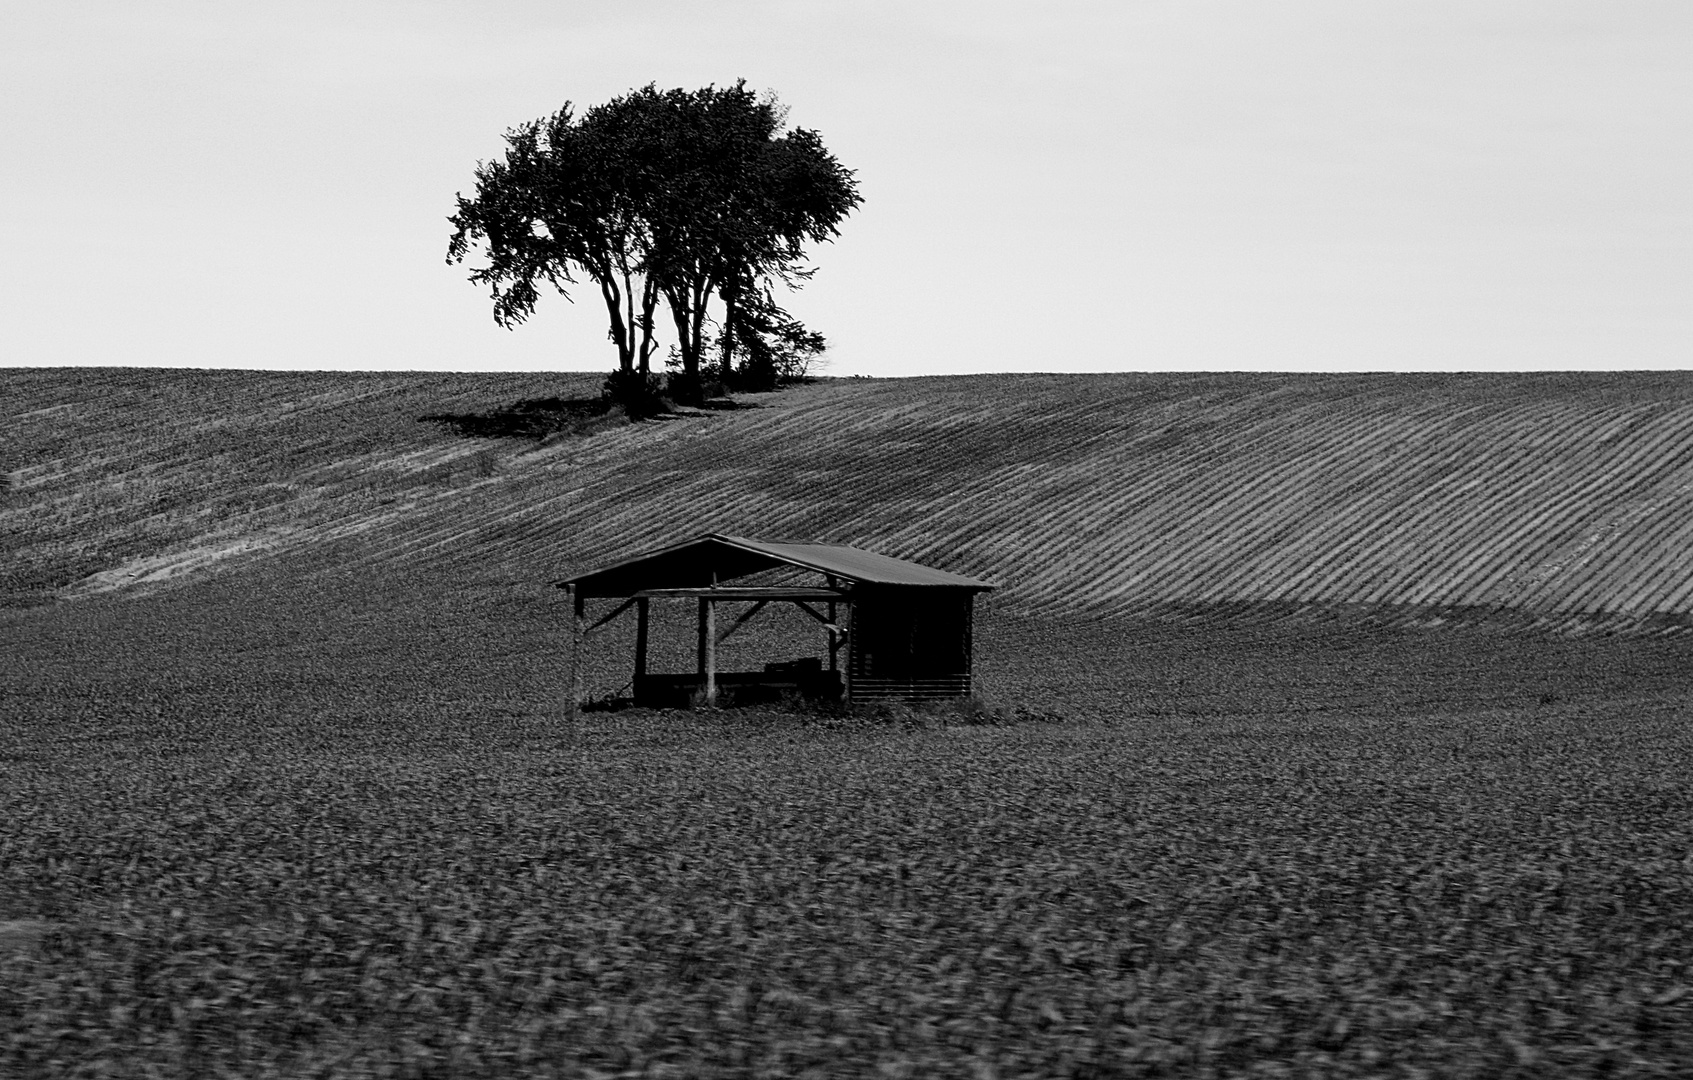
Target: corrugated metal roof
(856,564)
(714,556)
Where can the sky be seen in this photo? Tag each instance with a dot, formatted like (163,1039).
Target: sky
(1138,185)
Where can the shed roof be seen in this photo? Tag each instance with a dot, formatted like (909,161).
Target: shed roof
(697,563)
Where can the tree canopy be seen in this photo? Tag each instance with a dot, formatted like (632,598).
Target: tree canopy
(698,198)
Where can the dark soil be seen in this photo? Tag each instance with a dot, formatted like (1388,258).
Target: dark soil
(322,826)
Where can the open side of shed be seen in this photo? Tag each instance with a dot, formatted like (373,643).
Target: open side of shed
(907,628)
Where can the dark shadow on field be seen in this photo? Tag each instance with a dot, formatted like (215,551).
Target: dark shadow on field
(543,418)
(533,418)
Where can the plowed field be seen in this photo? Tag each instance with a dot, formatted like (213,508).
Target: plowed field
(1353,735)
(1566,499)
(339,827)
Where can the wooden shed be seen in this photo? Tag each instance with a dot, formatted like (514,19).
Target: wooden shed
(906,628)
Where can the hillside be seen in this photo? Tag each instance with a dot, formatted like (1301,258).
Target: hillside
(1567,498)
(295,784)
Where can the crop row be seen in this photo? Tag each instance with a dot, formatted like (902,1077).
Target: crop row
(1546,494)
(1302,492)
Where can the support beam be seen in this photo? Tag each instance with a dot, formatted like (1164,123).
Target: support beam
(809,610)
(578,638)
(969,642)
(827,621)
(620,609)
(730,592)
(640,640)
(851,644)
(745,616)
(699,646)
(708,652)
(834,639)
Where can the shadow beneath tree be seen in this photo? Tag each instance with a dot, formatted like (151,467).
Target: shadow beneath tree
(535,418)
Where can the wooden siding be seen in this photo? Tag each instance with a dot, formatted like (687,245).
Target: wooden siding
(912,644)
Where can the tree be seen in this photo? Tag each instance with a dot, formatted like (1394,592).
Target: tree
(772,345)
(734,202)
(694,197)
(563,201)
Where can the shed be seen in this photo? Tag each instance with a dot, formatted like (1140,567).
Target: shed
(906,627)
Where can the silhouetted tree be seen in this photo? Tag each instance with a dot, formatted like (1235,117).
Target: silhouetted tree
(693,196)
(565,200)
(771,344)
(735,202)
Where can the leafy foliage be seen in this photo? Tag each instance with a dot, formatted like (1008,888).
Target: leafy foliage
(564,200)
(694,196)
(774,347)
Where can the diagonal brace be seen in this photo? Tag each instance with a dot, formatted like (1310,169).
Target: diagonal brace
(739,622)
(819,616)
(621,608)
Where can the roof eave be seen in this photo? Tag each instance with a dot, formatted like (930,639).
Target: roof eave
(643,557)
(753,547)
(749,545)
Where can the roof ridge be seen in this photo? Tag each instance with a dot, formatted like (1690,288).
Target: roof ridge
(872,567)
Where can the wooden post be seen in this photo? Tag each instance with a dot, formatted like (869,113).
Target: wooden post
(640,643)
(578,638)
(699,651)
(711,654)
(708,651)
(969,643)
(852,644)
(834,639)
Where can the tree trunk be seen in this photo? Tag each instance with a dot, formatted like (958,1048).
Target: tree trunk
(727,368)
(649,301)
(687,319)
(680,315)
(619,331)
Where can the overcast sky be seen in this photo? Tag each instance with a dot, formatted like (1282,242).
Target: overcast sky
(1052,186)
